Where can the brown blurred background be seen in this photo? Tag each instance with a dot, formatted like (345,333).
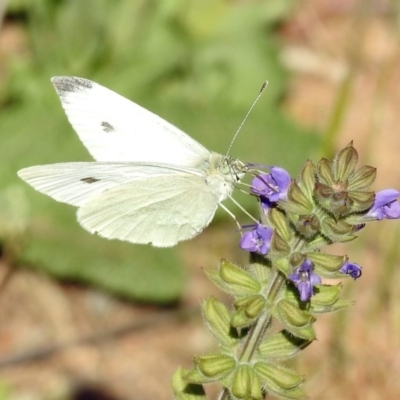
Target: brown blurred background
(337,69)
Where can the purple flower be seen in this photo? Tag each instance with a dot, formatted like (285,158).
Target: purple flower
(352,269)
(305,279)
(257,240)
(271,187)
(385,205)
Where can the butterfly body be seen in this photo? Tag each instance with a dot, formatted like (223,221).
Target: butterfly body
(150,183)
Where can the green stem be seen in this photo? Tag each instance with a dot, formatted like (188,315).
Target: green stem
(257,331)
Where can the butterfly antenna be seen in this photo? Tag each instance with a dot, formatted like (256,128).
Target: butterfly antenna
(263,87)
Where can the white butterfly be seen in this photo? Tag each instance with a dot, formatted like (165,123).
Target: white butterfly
(150,183)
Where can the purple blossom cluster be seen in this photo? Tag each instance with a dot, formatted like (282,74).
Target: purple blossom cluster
(271,188)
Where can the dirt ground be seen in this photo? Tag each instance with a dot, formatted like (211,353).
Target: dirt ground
(58,339)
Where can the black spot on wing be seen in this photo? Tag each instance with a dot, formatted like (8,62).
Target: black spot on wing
(107,127)
(90,180)
(68,84)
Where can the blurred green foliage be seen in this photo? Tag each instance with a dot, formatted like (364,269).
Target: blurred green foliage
(198,64)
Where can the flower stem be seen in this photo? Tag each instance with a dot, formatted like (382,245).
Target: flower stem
(258,330)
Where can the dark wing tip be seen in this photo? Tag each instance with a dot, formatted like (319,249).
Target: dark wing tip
(68,84)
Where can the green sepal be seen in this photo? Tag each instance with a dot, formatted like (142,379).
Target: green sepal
(195,377)
(282,345)
(296,201)
(297,258)
(260,270)
(247,310)
(362,179)
(184,390)
(215,366)
(245,384)
(307,225)
(361,201)
(337,231)
(279,246)
(279,222)
(307,179)
(238,279)
(306,332)
(292,394)
(218,319)
(324,309)
(252,305)
(233,280)
(333,201)
(318,242)
(345,163)
(298,322)
(278,376)
(283,265)
(324,172)
(325,295)
(290,314)
(325,263)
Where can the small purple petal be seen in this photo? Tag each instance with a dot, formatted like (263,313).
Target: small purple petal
(271,187)
(281,177)
(385,205)
(260,185)
(257,240)
(352,269)
(305,280)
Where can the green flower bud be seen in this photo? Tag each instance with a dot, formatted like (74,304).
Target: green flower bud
(336,306)
(298,322)
(247,310)
(245,384)
(290,314)
(326,295)
(252,305)
(184,390)
(278,376)
(195,377)
(215,365)
(282,345)
(238,278)
(326,263)
(218,319)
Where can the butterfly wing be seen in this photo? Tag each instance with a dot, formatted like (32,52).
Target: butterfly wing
(139,203)
(114,128)
(164,210)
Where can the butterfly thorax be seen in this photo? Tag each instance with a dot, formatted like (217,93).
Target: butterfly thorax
(222,173)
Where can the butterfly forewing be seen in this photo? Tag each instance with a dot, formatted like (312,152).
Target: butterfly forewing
(114,128)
